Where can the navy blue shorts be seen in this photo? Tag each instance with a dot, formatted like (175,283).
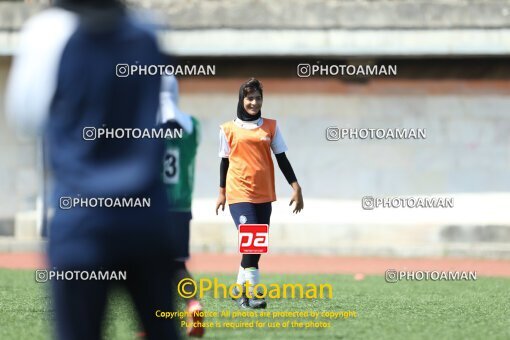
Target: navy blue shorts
(179,223)
(251,213)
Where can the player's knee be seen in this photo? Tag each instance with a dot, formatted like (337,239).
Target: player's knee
(250,261)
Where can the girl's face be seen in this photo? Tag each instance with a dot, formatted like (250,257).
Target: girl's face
(252,103)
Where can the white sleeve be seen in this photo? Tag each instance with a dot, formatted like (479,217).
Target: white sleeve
(224,147)
(278,143)
(33,78)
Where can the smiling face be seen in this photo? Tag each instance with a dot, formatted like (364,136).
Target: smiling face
(252,103)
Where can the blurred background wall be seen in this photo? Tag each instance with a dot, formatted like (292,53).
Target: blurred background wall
(453,80)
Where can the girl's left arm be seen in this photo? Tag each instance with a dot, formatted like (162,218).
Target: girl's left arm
(288,172)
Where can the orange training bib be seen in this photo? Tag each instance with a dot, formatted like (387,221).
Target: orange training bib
(250,176)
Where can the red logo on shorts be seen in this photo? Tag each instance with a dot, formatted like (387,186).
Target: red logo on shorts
(253,238)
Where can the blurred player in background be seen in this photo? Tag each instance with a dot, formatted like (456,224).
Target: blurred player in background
(247,175)
(63,80)
(178,177)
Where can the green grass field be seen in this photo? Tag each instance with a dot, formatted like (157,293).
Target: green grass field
(403,310)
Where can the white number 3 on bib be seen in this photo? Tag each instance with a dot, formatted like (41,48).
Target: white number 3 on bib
(171,166)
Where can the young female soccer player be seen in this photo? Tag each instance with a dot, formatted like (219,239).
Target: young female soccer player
(247,174)
(178,177)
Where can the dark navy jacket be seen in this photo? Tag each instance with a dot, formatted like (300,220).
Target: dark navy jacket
(63,80)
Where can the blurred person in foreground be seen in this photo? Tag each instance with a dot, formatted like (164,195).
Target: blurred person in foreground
(64,79)
(178,177)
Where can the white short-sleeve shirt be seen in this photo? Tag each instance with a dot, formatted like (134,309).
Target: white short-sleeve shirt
(277,144)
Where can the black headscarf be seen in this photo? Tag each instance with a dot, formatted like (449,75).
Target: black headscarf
(241,112)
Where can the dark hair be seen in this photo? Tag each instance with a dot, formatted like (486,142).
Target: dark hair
(252,85)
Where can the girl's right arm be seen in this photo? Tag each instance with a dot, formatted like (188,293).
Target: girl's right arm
(223,181)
